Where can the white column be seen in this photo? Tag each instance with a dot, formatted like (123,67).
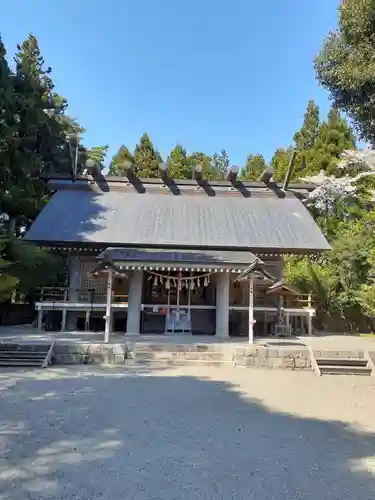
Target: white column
(222,304)
(251,310)
(74,285)
(108,310)
(134,303)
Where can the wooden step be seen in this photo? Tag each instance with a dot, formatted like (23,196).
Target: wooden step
(341,362)
(344,370)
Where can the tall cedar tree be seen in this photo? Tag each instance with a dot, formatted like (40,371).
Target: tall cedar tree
(8,130)
(177,163)
(146,158)
(345,65)
(305,138)
(255,166)
(33,140)
(334,136)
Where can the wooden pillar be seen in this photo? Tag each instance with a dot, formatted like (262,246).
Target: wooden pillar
(309,324)
(251,310)
(73,294)
(40,318)
(87,320)
(63,320)
(287,323)
(133,323)
(108,311)
(222,305)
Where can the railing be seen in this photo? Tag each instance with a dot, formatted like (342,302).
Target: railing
(81,295)
(304,301)
(78,295)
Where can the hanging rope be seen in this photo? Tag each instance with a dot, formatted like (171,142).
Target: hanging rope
(179,278)
(179,282)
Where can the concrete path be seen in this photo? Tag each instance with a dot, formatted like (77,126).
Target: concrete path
(188,433)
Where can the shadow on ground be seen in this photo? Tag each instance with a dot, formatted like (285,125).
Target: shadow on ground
(145,434)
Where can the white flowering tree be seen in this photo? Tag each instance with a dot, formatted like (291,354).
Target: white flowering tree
(331,191)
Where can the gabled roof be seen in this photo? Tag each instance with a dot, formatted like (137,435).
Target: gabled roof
(281,288)
(261,221)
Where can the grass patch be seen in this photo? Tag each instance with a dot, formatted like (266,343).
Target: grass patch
(368,335)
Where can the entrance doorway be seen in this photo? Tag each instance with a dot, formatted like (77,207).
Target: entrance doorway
(178,302)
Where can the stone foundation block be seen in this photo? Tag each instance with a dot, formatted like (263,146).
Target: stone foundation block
(71,348)
(68,359)
(118,359)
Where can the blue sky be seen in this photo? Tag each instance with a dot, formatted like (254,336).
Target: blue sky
(210,74)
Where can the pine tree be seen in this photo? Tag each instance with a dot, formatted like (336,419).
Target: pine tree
(305,138)
(98,154)
(220,165)
(334,136)
(146,158)
(255,166)
(199,158)
(280,162)
(122,156)
(177,163)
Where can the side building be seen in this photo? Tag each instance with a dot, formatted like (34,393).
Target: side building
(161,255)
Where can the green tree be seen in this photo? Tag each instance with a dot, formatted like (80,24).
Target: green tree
(334,136)
(314,278)
(8,282)
(8,129)
(33,140)
(199,158)
(38,141)
(305,138)
(220,165)
(345,65)
(98,154)
(122,156)
(255,166)
(146,158)
(177,163)
(280,162)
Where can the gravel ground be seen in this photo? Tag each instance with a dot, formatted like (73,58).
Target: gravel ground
(187,433)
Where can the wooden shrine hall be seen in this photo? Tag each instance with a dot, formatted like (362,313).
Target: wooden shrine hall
(165,256)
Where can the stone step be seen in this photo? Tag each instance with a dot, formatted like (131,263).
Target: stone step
(23,354)
(163,355)
(167,347)
(341,362)
(176,362)
(21,362)
(31,348)
(344,354)
(344,370)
